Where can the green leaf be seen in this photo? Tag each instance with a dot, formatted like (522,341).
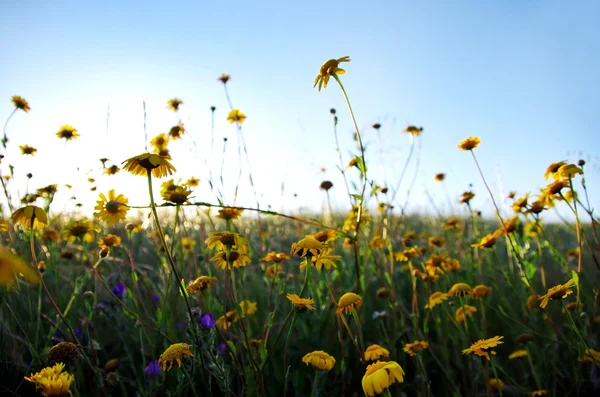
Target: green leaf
(575,277)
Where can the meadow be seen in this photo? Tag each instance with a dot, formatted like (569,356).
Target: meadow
(202,298)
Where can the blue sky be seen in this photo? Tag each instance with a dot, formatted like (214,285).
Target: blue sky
(521,75)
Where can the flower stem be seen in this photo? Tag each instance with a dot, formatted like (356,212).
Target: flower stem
(314,388)
(587,349)
(496,375)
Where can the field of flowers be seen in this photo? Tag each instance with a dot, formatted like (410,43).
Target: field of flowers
(209,299)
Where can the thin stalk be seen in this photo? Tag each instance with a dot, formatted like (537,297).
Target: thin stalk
(496,375)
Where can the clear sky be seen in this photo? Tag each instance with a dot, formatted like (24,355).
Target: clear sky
(522,75)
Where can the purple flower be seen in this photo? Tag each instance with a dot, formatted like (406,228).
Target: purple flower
(222,347)
(152,368)
(78,332)
(207,321)
(155,298)
(119,290)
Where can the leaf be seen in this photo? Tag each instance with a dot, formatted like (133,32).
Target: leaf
(575,277)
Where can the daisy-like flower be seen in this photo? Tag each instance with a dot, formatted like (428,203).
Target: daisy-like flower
(62,352)
(533,303)
(375,352)
(12,266)
(328,69)
(520,204)
(176,131)
(561,291)
(30,216)
(470,143)
(489,240)
(552,170)
(111,209)
(413,130)
(301,304)
(437,298)
(380,376)
(439,177)
(230,213)
(176,194)
(67,132)
(110,240)
(52,381)
(236,259)
(538,393)
(319,359)
(275,257)
(222,240)
(174,354)
(460,289)
(467,197)
(160,142)
(377,242)
(227,320)
(201,283)
(590,356)
(173,104)
(348,302)
(80,229)
(496,384)
(308,246)
(112,170)
(321,260)
(568,171)
(463,312)
(193,182)
(436,241)
(20,103)
(236,116)
(224,78)
(248,308)
(272,270)
(483,347)
(510,226)
(146,162)
(480,291)
(517,354)
(413,348)
(27,150)
(325,236)
(382,293)
(188,244)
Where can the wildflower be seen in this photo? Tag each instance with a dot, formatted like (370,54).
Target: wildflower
(221,240)
(27,150)
(573,306)
(322,260)
(567,171)
(377,242)
(496,384)
(375,352)
(510,226)
(377,315)
(467,197)
(193,182)
(248,308)
(520,204)
(111,365)
(439,177)
(30,216)
(375,126)
(573,252)
(230,213)
(225,321)
(413,348)
(152,369)
(553,169)
(532,229)
(326,185)
(308,246)
(67,132)
(20,103)
(413,130)
(452,223)
(52,381)
(275,257)
(272,270)
(224,78)
(382,293)
(560,291)
(80,229)
(460,289)
(174,354)
(201,283)
(436,241)
(470,143)
(146,162)
(325,236)
(348,302)
(450,265)
(437,298)
(207,321)
(330,68)
(483,346)
(112,170)
(188,244)
(119,290)
(110,240)
(480,291)
(319,359)
(176,131)
(159,142)
(463,312)
(517,354)
(590,356)
(236,259)
(178,195)
(301,304)
(173,104)
(380,376)
(63,352)
(537,206)
(488,241)
(538,393)
(236,116)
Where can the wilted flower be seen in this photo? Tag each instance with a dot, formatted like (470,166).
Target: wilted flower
(348,302)
(174,354)
(30,216)
(413,348)
(380,376)
(146,162)
(375,352)
(319,359)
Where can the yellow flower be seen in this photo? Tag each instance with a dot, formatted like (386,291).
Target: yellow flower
(12,266)
(533,303)
(142,164)
(275,257)
(439,177)
(377,242)
(590,356)
(470,143)
(112,170)
(26,149)
(567,171)
(236,116)
(413,130)
(437,298)
(67,132)
(230,213)
(538,393)
(110,240)
(483,346)
(381,375)
(510,226)
(307,246)
(248,308)
(174,354)
(62,352)
(489,240)
(175,194)
(319,359)
(552,170)
(236,259)
(348,302)
(328,69)
(301,304)
(479,291)
(193,182)
(224,322)
(20,103)
(113,209)
(452,223)
(382,293)
(188,244)
(496,384)
(52,381)
(517,354)
(176,131)
(467,197)
(30,216)
(460,289)
(224,78)
(561,291)
(463,312)
(436,241)
(159,142)
(201,283)
(221,240)
(173,104)
(416,346)
(322,260)
(375,352)
(272,270)
(80,229)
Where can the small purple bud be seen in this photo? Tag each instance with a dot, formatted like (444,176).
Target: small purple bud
(207,321)
(152,368)
(119,290)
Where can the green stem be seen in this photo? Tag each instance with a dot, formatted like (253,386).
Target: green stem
(588,350)
(314,388)
(189,378)
(496,375)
